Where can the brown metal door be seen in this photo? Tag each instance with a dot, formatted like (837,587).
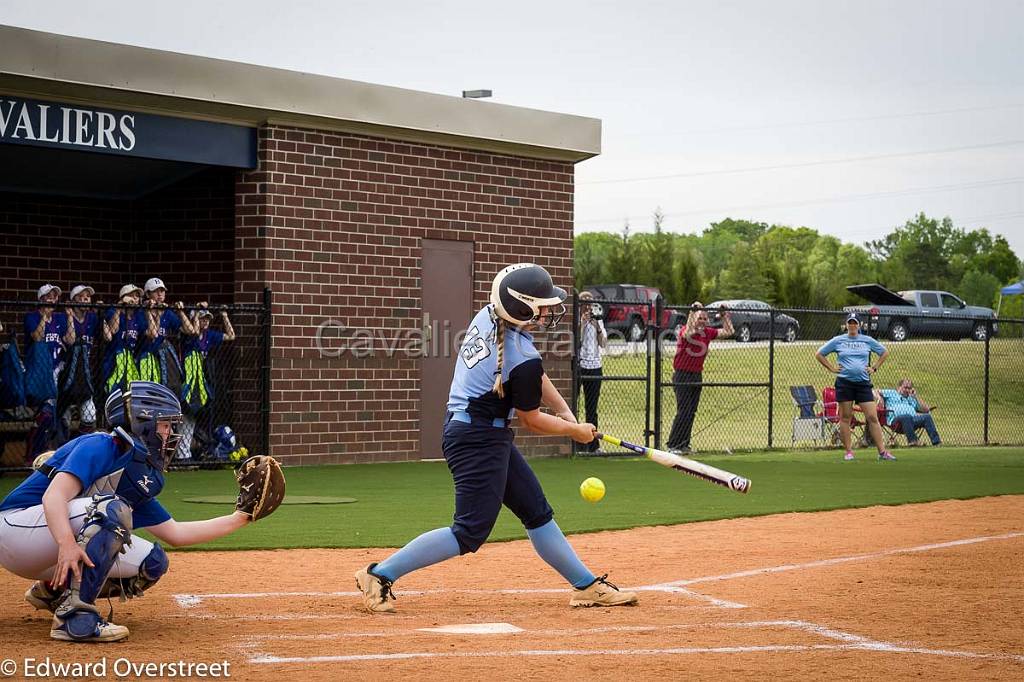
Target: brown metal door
(447,309)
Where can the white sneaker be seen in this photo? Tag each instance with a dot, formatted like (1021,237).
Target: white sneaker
(104,632)
(377,594)
(40,596)
(602,593)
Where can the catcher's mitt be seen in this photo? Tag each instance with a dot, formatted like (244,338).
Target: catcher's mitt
(260,486)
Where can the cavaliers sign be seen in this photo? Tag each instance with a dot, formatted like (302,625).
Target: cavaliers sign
(107,131)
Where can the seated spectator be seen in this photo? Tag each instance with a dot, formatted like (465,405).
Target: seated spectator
(903,407)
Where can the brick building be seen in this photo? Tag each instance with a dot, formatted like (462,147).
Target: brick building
(377,216)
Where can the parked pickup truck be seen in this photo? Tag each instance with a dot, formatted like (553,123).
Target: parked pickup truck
(937,314)
(625,308)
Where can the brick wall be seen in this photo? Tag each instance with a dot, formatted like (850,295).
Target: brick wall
(183,234)
(44,239)
(333,224)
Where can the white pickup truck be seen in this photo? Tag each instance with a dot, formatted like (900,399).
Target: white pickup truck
(936,314)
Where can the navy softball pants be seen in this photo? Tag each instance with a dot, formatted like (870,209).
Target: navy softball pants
(489,471)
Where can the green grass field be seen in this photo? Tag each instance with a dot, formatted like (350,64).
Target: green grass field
(398,501)
(948,374)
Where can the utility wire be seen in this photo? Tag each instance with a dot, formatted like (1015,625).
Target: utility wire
(997,182)
(801,124)
(806,164)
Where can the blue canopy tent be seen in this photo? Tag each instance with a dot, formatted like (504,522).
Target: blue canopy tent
(1010,290)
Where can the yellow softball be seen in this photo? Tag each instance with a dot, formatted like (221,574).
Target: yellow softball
(592,489)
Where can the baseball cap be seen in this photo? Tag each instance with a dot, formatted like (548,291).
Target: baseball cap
(128,289)
(45,289)
(852,317)
(203,312)
(154,283)
(80,288)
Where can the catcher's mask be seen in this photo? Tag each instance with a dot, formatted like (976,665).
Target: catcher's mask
(154,414)
(524,294)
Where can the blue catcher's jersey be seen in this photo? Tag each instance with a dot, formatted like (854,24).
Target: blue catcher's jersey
(99,461)
(477,361)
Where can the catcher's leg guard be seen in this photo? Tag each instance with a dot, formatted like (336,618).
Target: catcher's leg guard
(107,530)
(153,567)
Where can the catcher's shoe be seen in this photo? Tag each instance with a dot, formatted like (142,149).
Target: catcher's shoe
(40,596)
(377,594)
(86,630)
(602,593)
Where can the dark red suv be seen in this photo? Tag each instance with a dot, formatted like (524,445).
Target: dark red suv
(624,307)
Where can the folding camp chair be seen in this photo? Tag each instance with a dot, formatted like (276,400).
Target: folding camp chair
(891,431)
(830,413)
(808,424)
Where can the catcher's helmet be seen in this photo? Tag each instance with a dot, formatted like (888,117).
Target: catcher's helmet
(143,405)
(521,290)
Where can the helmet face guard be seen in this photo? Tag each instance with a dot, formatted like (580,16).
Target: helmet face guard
(146,405)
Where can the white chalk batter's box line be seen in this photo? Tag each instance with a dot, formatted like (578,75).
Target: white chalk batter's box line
(186,601)
(845,641)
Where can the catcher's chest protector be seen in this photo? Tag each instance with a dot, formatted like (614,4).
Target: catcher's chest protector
(134,480)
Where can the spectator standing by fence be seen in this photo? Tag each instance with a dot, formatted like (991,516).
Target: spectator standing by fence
(121,328)
(158,361)
(47,333)
(695,339)
(198,388)
(75,390)
(853,381)
(593,338)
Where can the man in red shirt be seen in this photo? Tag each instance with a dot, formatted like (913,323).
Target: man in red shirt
(694,341)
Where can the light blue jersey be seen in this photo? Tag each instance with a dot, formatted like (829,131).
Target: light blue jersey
(854,353)
(476,364)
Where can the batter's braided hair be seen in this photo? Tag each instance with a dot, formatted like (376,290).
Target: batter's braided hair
(500,341)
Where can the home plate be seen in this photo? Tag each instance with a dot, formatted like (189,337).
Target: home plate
(475,629)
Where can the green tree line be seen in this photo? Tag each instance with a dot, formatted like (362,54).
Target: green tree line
(797,267)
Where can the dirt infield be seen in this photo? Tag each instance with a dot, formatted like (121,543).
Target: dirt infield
(929,591)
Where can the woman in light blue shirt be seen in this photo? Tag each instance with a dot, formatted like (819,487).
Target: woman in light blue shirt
(853,381)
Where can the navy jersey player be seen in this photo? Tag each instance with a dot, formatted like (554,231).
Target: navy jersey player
(69,525)
(498,374)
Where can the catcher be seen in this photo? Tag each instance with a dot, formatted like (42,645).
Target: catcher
(68,526)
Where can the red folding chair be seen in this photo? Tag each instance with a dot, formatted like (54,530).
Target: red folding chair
(830,413)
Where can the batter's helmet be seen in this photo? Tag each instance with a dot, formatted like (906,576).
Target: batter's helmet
(521,290)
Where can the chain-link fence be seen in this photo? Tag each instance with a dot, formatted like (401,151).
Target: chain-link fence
(762,387)
(612,370)
(59,363)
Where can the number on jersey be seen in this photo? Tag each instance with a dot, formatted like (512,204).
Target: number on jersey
(475,348)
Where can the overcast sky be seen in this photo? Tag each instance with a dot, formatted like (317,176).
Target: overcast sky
(845,116)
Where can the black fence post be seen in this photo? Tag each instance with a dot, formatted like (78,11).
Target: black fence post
(659,307)
(988,336)
(771,372)
(265,369)
(653,337)
(576,315)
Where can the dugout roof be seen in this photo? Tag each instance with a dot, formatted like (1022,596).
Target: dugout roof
(50,67)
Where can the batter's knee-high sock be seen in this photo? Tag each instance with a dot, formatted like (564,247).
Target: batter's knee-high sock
(430,548)
(551,545)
